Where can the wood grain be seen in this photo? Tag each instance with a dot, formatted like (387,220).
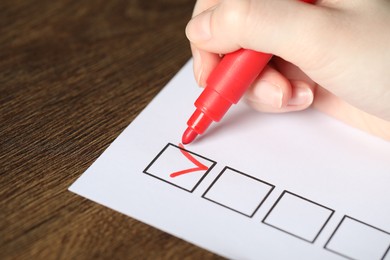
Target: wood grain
(73,75)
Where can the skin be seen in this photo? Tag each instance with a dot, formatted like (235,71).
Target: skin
(334,56)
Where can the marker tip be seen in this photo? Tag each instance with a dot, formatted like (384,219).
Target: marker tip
(189,136)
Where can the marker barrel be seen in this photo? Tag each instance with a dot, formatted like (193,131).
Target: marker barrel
(226,84)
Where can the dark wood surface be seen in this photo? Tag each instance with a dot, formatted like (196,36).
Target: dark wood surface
(73,75)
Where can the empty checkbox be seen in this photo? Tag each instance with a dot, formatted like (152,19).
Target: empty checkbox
(238,191)
(355,239)
(179,167)
(298,216)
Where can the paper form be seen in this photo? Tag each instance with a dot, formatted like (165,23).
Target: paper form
(255,186)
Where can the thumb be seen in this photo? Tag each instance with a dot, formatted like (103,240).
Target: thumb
(284,28)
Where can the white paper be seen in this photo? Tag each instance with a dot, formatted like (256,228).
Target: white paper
(258,186)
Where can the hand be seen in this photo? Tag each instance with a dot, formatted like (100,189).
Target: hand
(334,56)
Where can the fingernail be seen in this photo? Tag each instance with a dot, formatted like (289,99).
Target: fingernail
(301,96)
(198,29)
(197,66)
(268,94)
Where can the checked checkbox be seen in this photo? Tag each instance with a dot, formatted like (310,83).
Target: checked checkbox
(179,167)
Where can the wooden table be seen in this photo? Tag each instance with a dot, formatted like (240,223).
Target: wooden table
(73,75)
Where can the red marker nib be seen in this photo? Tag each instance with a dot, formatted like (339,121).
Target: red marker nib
(189,136)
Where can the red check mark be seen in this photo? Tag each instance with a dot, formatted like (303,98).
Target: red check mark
(199,165)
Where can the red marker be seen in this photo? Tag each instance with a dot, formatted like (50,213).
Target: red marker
(226,84)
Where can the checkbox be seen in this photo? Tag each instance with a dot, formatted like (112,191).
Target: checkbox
(387,254)
(179,167)
(298,216)
(238,191)
(355,239)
